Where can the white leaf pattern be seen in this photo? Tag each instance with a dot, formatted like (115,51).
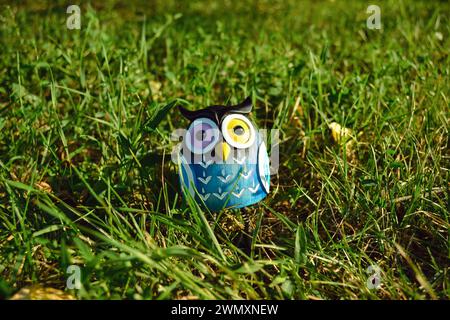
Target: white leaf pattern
(241,161)
(205,196)
(220,196)
(239,194)
(206,164)
(253,190)
(225,179)
(246,176)
(204,181)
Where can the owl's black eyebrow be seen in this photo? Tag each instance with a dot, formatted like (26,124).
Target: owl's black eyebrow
(217,112)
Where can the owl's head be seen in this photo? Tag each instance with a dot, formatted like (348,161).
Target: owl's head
(220,131)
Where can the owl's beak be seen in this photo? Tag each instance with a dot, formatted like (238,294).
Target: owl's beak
(226,149)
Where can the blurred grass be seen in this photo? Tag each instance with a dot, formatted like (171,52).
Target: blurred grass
(85,171)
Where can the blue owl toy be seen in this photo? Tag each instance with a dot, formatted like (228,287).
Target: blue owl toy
(223,161)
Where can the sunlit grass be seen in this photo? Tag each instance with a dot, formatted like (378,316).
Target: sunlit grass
(86,177)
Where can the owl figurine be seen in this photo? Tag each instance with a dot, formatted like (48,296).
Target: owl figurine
(223,161)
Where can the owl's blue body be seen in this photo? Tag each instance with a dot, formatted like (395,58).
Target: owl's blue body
(224,161)
(228,185)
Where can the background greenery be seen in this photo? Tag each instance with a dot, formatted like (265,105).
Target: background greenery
(85,170)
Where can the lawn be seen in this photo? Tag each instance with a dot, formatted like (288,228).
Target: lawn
(87,181)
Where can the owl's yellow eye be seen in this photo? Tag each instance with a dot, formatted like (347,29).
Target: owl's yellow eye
(238,131)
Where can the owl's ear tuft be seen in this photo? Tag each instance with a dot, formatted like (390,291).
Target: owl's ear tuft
(188,114)
(244,107)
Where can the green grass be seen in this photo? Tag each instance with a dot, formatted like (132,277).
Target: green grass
(85,170)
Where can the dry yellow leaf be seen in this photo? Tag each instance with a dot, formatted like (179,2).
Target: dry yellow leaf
(340,133)
(41,293)
(155,87)
(343,135)
(44,186)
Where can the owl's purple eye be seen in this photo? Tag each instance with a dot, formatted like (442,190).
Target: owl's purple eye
(202,136)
